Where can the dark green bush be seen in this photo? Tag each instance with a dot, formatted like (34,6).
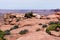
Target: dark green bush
(56,22)
(23,32)
(52,27)
(15,27)
(58,26)
(51,23)
(2,34)
(48,31)
(7,32)
(29,15)
(44,25)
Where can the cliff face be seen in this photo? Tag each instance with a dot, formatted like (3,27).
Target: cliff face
(34,28)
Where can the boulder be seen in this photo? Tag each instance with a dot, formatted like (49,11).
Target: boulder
(53,16)
(37,16)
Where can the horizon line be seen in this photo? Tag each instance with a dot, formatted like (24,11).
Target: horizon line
(29,9)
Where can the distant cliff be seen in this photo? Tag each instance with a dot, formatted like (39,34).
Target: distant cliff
(25,11)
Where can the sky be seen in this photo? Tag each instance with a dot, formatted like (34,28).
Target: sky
(29,4)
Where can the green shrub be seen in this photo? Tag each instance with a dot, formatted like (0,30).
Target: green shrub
(7,32)
(51,23)
(2,34)
(52,27)
(48,31)
(29,15)
(15,27)
(23,32)
(44,25)
(56,22)
(58,26)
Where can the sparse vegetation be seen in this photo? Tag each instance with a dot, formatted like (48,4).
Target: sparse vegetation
(7,32)
(2,34)
(51,23)
(15,27)
(40,24)
(12,16)
(44,25)
(52,27)
(38,29)
(29,15)
(23,32)
(29,21)
(48,31)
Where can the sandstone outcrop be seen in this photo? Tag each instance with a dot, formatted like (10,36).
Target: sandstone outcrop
(16,22)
